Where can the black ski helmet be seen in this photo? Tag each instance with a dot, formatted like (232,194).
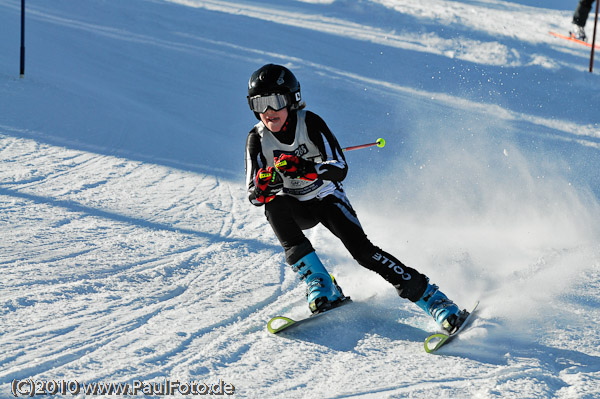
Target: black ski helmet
(275,79)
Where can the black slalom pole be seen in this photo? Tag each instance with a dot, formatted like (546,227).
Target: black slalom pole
(22,38)
(594,38)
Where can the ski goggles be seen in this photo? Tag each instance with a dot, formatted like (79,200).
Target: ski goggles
(260,104)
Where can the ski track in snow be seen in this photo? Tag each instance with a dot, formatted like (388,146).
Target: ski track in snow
(121,266)
(119,273)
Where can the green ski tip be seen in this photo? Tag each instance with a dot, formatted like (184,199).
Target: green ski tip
(433,342)
(279,323)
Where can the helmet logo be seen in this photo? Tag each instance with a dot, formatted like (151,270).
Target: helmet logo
(280,81)
(297,96)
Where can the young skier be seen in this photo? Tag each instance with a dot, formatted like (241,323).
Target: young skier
(294,168)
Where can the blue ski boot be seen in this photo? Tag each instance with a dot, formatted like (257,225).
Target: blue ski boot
(322,292)
(436,304)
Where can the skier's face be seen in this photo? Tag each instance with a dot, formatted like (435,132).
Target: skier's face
(274,120)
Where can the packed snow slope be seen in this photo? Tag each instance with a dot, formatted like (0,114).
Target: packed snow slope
(129,251)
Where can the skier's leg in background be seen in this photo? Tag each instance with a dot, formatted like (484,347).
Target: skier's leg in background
(582,11)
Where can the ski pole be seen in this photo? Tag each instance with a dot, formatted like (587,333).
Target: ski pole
(379,143)
(594,38)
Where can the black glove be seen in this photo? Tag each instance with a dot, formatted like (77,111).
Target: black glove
(296,167)
(267,183)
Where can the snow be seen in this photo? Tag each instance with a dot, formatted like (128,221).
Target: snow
(129,251)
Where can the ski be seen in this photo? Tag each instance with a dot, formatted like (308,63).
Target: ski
(437,340)
(572,39)
(280,323)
